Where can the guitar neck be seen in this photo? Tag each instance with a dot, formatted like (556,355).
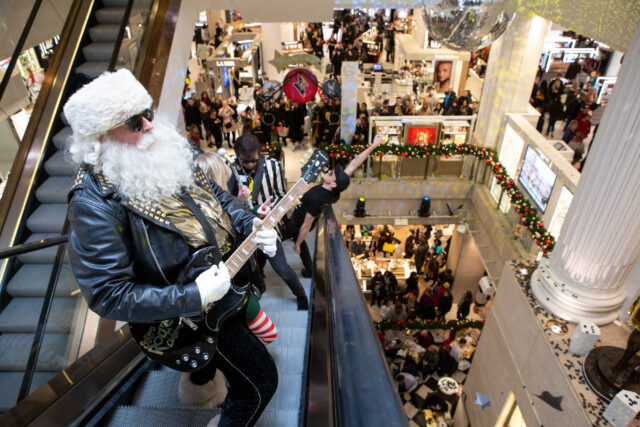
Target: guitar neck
(235,262)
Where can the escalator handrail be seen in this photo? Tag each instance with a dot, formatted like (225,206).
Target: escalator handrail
(38,337)
(26,248)
(18,48)
(363,391)
(123,26)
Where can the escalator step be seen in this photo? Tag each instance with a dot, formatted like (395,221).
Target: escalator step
(42,256)
(104,33)
(15,348)
(288,359)
(59,165)
(158,388)
(93,68)
(98,51)
(287,395)
(55,189)
(10,383)
(60,138)
(110,15)
(47,218)
(21,315)
(132,416)
(32,280)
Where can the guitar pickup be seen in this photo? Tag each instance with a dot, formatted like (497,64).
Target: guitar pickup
(189,323)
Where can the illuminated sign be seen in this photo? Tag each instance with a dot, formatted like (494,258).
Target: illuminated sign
(226,63)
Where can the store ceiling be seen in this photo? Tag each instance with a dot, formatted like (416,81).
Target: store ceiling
(608,21)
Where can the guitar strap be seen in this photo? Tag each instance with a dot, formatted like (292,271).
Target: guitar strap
(208,231)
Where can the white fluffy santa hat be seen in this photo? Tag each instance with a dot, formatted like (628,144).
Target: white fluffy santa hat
(104,103)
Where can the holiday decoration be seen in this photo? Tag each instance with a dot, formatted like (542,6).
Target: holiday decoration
(623,408)
(529,216)
(451,325)
(282,62)
(584,338)
(482,400)
(300,85)
(273,150)
(467,25)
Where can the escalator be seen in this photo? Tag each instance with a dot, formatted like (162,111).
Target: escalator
(155,398)
(43,318)
(27,277)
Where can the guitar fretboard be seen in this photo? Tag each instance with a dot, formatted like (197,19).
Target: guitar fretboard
(235,262)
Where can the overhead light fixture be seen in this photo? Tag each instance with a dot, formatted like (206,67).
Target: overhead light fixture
(425,207)
(360,211)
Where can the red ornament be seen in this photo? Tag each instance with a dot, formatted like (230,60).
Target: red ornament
(499,177)
(301,85)
(540,224)
(547,242)
(330,154)
(342,153)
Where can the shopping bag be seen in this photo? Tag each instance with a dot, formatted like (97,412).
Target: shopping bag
(388,247)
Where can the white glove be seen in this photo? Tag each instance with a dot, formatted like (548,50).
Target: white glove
(265,239)
(213,284)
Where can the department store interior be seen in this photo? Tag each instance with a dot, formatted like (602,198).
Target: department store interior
(482,267)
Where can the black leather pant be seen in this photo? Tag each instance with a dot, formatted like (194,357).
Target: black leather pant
(249,369)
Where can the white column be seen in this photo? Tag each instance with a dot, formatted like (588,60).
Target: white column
(600,240)
(271,41)
(511,71)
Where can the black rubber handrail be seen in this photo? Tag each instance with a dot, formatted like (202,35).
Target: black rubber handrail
(362,390)
(123,25)
(18,49)
(36,345)
(25,248)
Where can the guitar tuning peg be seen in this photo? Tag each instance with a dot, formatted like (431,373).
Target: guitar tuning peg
(302,162)
(309,151)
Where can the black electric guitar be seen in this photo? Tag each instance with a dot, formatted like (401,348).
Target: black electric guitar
(187,344)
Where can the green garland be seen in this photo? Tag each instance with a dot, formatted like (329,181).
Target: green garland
(529,216)
(273,150)
(452,325)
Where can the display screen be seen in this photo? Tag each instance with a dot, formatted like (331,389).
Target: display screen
(377,67)
(537,178)
(420,134)
(225,76)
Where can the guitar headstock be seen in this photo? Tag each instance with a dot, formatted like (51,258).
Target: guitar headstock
(314,166)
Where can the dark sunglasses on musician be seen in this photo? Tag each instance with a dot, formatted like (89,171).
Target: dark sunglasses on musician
(135,122)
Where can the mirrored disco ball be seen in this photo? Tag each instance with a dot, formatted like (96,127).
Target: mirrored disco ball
(467,24)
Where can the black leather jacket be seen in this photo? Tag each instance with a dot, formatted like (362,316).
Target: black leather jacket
(126,255)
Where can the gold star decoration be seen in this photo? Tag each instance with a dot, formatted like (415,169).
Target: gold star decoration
(281,62)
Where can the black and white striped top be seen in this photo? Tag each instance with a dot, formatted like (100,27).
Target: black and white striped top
(271,184)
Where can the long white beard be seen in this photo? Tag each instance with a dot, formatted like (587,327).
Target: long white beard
(157,167)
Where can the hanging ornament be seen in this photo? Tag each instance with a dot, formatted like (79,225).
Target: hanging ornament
(463,25)
(300,85)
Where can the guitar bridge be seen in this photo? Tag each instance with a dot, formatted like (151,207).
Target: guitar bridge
(189,323)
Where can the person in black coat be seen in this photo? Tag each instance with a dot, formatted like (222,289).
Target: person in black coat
(192,112)
(445,303)
(556,112)
(421,254)
(464,307)
(296,124)
(412,284)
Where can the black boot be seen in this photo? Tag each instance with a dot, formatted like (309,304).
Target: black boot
(303,304)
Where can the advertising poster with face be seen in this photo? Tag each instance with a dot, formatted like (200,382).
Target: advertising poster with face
(442,75)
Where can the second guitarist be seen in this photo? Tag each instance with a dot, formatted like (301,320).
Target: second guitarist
(131,234)
(263,178)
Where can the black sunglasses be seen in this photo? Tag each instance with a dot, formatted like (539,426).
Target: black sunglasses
(135,122)
(247,161)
